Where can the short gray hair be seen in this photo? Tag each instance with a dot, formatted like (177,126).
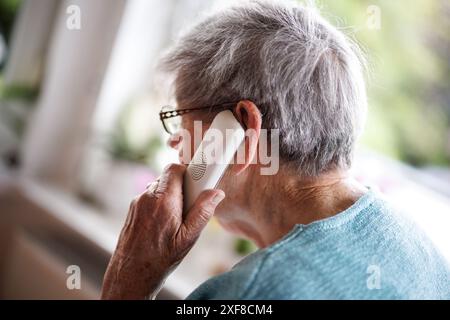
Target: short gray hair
(304,75)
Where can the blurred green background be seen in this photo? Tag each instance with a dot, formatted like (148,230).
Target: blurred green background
(408,83)
(408,87)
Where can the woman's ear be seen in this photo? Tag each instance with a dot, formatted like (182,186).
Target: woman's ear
(250,117)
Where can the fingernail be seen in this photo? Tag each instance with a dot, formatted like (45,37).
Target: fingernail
(218,197)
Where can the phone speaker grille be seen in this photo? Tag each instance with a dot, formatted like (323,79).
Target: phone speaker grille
(197,168)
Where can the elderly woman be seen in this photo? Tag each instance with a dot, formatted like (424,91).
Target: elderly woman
(320,233)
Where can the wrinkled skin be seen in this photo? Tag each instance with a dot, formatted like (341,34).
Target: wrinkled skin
(156,237)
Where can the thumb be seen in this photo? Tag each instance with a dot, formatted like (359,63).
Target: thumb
(202,210)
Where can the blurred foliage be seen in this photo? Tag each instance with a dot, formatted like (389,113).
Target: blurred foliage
(8,11)
(409,79)
(122,149)
(244,247)
(15,105)
(17,92)
(122,146)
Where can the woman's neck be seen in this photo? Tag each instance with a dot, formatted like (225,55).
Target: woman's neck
(273,205)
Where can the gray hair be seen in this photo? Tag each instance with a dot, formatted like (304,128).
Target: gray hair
(304,75)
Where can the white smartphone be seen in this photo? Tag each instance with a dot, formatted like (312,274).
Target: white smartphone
(206,168)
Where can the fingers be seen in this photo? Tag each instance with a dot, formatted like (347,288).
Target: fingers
(169,187)
(152,186)
(202,210)
(170,181)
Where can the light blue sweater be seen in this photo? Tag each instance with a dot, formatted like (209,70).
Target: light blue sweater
(368,251)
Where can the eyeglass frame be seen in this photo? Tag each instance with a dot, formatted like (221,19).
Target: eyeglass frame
(179,112)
